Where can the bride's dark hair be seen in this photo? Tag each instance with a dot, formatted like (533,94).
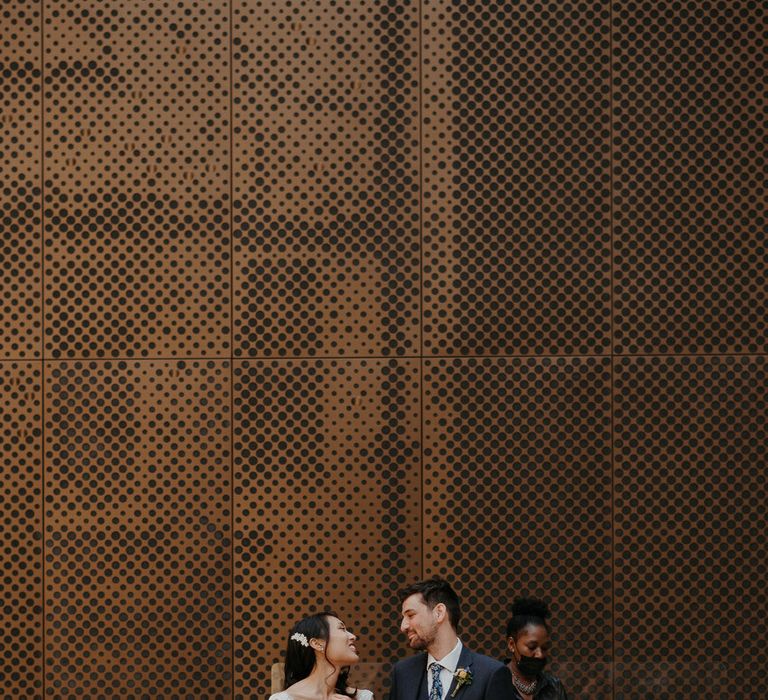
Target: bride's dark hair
(300,656)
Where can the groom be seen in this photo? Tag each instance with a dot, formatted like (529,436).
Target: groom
(447,669)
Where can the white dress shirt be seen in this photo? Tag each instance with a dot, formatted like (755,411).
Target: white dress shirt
(449,663)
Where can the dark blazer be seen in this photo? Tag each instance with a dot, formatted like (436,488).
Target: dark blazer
(491,680)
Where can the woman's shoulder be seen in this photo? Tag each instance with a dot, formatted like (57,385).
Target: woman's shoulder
(283,695)
(551,678)
(361,694)
(556,686)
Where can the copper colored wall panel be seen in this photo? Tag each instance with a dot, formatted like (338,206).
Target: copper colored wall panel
(326,178)
(301,300)
(136,179)
(689,173)
(517,500)
(21,561)
(516,178)
(327,503)
(137,529)
(20,190)
(691,545)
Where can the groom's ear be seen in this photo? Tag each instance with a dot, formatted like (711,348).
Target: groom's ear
(440,611)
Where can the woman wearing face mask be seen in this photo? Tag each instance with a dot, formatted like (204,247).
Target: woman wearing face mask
(528,642)
(320,652)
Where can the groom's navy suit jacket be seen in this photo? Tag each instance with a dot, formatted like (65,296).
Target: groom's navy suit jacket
(491,680)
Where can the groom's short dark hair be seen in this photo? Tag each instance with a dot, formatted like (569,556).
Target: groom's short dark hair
(434,591)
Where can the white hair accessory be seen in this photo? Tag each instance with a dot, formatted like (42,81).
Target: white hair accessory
(300,638)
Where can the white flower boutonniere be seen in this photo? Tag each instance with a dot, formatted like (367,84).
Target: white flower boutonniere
(463,677)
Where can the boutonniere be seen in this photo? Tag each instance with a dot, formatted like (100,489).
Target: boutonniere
(463,677)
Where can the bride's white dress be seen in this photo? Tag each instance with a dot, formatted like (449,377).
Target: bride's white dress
(285,695)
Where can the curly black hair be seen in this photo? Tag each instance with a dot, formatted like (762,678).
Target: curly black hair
(527,611)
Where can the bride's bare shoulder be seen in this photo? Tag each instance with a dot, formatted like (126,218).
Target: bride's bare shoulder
(282,695)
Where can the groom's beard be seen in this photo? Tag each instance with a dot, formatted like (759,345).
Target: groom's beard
(417,643)
(422,643)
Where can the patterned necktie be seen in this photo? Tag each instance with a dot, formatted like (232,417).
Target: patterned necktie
(437,687)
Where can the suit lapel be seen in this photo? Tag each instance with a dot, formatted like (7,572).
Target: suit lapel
(465,661)
(420,681)
(423,691)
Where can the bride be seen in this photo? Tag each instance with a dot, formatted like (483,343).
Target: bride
(320,651)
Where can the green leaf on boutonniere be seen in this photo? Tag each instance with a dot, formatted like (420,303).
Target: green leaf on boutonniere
(463,677)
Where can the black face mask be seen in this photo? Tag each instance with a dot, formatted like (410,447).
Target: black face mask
(530,666)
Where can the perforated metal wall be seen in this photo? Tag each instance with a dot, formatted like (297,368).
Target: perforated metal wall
(328,504)
(301,301)
(21,160)
(326,178)
(691,543)
(516,143)
(689,164)
(517,497)
(21,527)
(138,569)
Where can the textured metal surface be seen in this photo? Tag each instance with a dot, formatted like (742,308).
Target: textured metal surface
(326,178)
(689,166)
(301,301)
(516,195)
(21,564)
(327,503)
(691,538)
(138,571)
(517,498)
(136,179)
(20,166)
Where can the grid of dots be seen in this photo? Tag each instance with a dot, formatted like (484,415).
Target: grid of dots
(516,178)
(137,529)
(518,121)
(20,191)
(326,178)
(689,174)
(20,530)
(327,503)
(136,179)
(517,499)
(691,546)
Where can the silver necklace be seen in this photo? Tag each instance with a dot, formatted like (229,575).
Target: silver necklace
(524,688)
